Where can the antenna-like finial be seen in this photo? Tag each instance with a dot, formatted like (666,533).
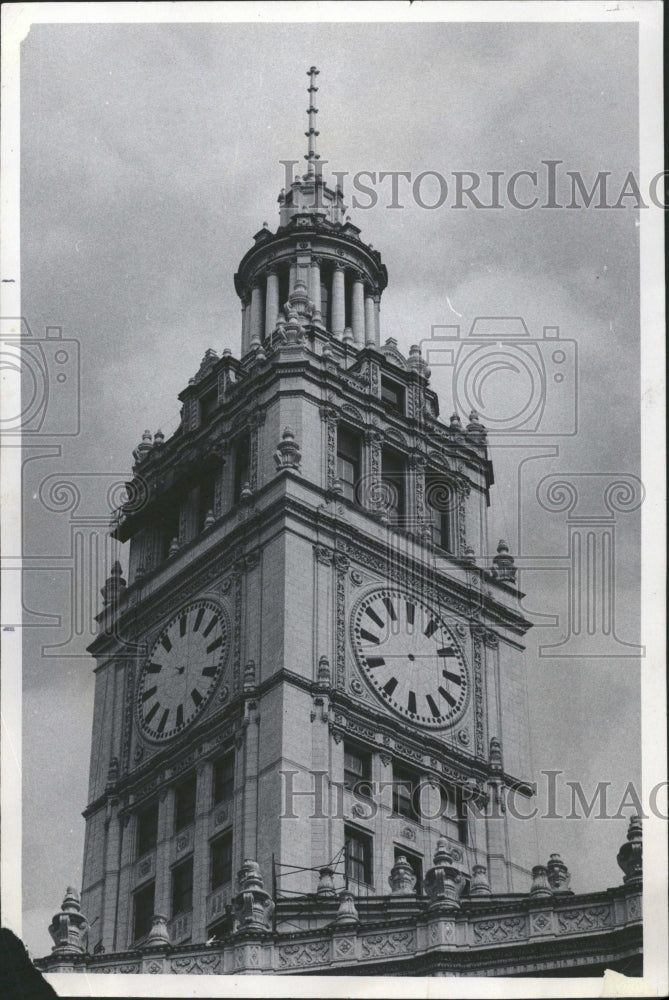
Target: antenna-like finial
(312,155)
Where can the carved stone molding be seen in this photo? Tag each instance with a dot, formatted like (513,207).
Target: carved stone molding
(479,714)
(323,554)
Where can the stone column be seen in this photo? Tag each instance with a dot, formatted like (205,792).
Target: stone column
(358,309)
(256,315)
(315,292)
(370,319)
(246,320)
(121,929)
(377,317)
(165,830)
(338,302)
(292,276)
(271,302)
(201,850)
(111,876)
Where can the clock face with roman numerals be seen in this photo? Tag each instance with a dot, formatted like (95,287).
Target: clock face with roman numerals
(182,670)
(410,657)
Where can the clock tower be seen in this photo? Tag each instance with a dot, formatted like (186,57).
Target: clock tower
(314,662)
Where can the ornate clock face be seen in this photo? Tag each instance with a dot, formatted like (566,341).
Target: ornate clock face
(182,670)
(410,657)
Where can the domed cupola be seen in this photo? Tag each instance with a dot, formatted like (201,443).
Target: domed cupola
(314,274)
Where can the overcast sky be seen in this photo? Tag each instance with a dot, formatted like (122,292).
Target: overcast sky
(150,156)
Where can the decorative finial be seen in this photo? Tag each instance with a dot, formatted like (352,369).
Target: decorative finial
(630,854)
(311,134)
(114,584)
(503,564)
(69,927)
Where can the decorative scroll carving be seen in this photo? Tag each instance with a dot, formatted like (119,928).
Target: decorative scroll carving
(312,953)
(341,563)
(323,554)
(197,964)
(502,929)
(479,715)
(418,462)
(463,491)
(131,968)
(330,418)
(237,633)
(382,945)
(586,919)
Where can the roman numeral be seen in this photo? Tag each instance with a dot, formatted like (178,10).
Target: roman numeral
(433,708)
(368,637)
(411,704)
(150,714)
(149,693)
(411,612)
(209,671)
(165,641)
(456,678)
(180,715)
(196,696)
(182,625)
(449,697)
(215,644)
(198,619)
(210,626)
(154,668)
(163,721)
(375,661)
(390,686)
(375,618)
(431,628)
(390,607)
(447,651)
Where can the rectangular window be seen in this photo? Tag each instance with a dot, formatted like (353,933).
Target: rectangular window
(184,803)
(168,526)
(182,888)
(357,770)
(147,830)
(208,403)
(406,792)
(393,475)
(206,497)
(416,863)
(358,855)
(454,813)
(221,861)
(440,502)
(348,461)
(224,779)
(242,465)
(143,907)
(392,394)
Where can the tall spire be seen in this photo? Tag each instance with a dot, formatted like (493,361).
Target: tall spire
(312,111)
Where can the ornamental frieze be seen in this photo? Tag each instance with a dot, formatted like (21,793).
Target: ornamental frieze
(386,945)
